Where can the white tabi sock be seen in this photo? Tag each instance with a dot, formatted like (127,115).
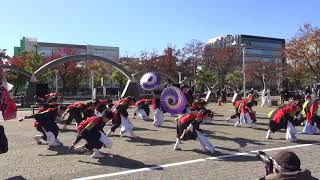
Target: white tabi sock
(52,139)
(105,140)
(109,133)
(97,154)
(132,134)
(176,146)
(38,138)
(268,134)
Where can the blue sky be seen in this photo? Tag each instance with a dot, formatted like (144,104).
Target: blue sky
(135,25)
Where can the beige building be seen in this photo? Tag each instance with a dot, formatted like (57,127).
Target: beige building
(31,44)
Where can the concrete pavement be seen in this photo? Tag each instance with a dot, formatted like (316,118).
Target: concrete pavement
(152,156)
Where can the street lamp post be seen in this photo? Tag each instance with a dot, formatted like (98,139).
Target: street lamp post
(179,76)
(244,70)
(36,47)
(92,85)
(243,46)
(56,79)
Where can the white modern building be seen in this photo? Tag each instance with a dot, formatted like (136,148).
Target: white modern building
(50,49)
(31,44)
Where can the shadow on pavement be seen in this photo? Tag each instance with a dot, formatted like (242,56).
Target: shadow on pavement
(243,126)
(168,127)
(214,124)
(262,123)
(262,129)
(218,115)
(143,129)
(166,120)
(199,151)
(304,141)
(67,130)
(16,178)
(261,116)
(243,142)
(150,142)
(218,154)
(227,149)
(242,158)
(213,132)
(121,162)
(64,150)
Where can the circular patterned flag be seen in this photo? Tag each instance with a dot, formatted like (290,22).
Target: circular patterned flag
(150,81)
(172,100)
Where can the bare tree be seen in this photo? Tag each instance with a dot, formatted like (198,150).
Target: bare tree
(193,52)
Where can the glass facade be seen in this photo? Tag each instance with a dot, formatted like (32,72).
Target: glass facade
(257,48)
(265,45)
(262,59)
(262,52)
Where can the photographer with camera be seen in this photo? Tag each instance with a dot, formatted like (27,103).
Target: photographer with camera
(283,165)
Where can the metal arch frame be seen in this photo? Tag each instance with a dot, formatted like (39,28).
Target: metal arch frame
(65,59)
(205,84)
(16,69)
(196,78)
(156,71)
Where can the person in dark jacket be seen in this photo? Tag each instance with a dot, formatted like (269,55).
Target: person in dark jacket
(158,111)
(187,92)
(224,95)
(143,109)
(285,95)
(47,125)
(286,165)
(120,117)
(283,117)
(92,131)
(188,129)
(3,141)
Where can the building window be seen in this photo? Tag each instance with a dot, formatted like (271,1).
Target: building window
(260,59)
(262,52)
(266,45)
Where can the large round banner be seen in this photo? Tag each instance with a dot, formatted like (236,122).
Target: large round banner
(172,100)
(150,81)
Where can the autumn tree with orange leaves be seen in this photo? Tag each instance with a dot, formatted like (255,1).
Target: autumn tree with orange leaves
(303,50)
(297,75)
(221,61)
(151,60)
(29,61)
(258,71)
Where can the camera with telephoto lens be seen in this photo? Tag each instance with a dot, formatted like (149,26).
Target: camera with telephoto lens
(267,160)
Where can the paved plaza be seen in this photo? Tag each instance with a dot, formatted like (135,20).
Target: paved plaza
(152,156)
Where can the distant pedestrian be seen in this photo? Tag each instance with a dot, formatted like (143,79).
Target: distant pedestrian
(224,95)
(265,98)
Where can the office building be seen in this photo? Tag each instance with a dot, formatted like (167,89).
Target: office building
(257,48)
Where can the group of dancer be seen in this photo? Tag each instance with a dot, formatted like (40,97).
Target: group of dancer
(295,113)
(286,116)
(92,117)
(244,111)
